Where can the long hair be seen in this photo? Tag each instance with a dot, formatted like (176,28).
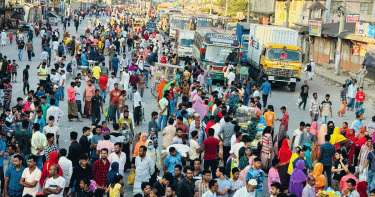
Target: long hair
(116,179)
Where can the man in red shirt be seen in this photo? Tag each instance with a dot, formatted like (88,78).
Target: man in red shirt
(184,127)
(114,102)
(100,170)
(103,80)
(210,146)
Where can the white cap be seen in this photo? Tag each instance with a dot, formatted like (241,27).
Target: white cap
(253,182)
(196,114)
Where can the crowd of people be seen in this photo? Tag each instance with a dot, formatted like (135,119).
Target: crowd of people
(198,146)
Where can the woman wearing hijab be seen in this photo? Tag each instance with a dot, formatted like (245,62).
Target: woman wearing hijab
(294,156)
(336,138)
(320,179)
(52,160)
(114,170)
(307,149)
(330,127)
(266,143)
(250,165)
(244,160)
(350,135)
(142,142)
(297,178)
(314,131)
(284,156)
(362,189)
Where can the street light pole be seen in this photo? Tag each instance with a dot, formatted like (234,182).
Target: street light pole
(339,42)
(211,7)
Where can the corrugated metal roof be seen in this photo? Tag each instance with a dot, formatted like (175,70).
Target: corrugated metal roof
(358,38)
(332,29)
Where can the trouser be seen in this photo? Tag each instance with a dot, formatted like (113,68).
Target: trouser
(103,94)
(162,119)
(226,150)
(61,92)
(79,106)
(351,103)
(325,119)
(2,179)
(20,54)
(115,69)
(328,171)
(29,54)
(114,111)
(95,117)
(211,163)
(146,74)
(314,117)
(137,115)
(304,101)
(126,150)
(142,90)
(264,99)
(26,86)
(371,179)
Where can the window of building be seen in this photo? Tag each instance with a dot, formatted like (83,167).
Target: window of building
(366,8)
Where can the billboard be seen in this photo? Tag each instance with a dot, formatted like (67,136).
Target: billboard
(315,28)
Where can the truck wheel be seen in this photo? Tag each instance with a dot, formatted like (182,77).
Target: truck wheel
(292,87)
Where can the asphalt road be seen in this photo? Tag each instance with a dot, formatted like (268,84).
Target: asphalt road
(280,97)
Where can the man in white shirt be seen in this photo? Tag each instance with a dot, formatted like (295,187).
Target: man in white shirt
(119,157)
(62,84)
(249,190)
(30,177)
(52,128)
(54,111)
(66,166)
(213,185)
(79,96)
(54,185)
(111,82)
(231,77)
(55,46)
(297,135)
(125,78)
(44,55)
(137,103)
(54,77)
(124,63)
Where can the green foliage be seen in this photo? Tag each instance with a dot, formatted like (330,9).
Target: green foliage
(234,6)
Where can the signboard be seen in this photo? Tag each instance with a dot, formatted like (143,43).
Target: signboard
(231,40)
(360,28)
(370,31)
(353,18)
(315,28)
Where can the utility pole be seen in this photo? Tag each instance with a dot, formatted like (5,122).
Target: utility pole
(342,10)
(248,11)
(287,5)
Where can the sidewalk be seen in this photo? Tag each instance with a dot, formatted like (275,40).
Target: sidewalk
(328,74)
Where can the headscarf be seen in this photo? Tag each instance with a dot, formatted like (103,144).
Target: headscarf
(284,153)
(151,153)
(336,137)
(308,154)
(320,179)
(290,167)
(361,132)
(361,188)
(330,129)
(139,144)
(262,120)
(321,134)
(114,170)
(351,136)
(52,160)
(314,128)
(160,88)
(298,176)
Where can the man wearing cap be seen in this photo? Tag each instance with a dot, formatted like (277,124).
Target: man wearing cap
(248,191)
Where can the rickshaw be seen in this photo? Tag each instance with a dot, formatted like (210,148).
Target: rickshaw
(169,72)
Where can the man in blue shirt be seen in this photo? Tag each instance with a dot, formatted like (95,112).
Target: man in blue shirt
(266,87)
(3,147)
(12,178)
(257,174)
(172,160)
(327,150)
(115,62)
(48,49)
(224,184)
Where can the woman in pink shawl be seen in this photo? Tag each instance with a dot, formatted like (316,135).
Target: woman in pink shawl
(314,131)
(314,128)
(297,178)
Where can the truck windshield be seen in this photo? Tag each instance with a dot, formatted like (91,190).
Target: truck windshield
(180,24)
(217,54)
(186,42)
(203,22)
(284,55)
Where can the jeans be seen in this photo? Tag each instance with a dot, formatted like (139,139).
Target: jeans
(130,92)
(115,69)
(61,92)
(146,74)
(328,170)
(29,54)
(371,179)
(114,110)
(103,94)
(95,117)
(351,103)
(137,115)
(304,101)
(20,54)
(264,99)
(26,86)
(325,119)
(162,118)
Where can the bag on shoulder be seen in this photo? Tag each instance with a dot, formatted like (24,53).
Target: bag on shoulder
(308,68)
